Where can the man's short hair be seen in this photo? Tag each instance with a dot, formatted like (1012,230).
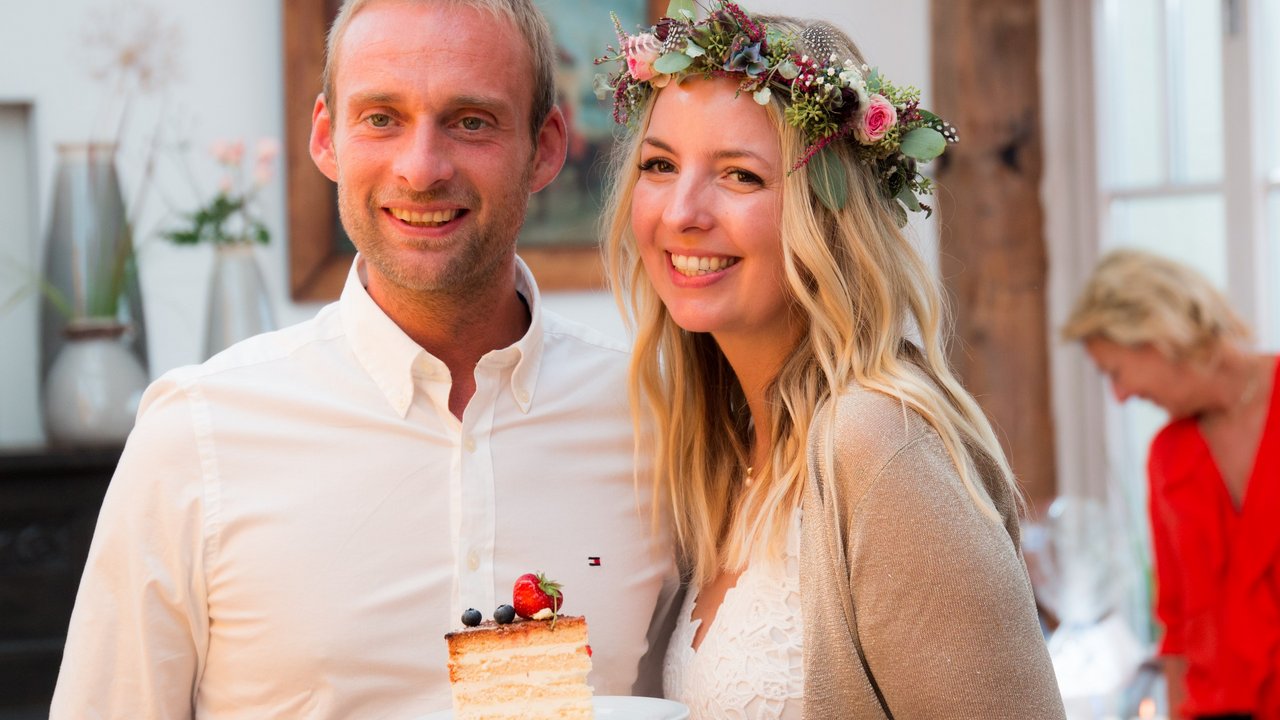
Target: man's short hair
(527,18)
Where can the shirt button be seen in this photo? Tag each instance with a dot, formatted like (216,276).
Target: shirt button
(522,396)
(470,444)
(473,560)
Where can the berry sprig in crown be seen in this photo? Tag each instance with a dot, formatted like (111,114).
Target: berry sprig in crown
(828,98)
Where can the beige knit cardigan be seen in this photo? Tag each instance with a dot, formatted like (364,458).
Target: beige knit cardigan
(897,560)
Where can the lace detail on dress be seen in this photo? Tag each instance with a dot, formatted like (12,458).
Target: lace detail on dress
(750,665)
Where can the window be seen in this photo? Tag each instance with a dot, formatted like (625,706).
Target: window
(1270,109)
(1186,162)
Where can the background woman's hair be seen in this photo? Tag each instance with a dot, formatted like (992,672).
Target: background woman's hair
(863,290)
(1136,298)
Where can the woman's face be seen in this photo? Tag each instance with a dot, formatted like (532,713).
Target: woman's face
(1143,371)
(707,209)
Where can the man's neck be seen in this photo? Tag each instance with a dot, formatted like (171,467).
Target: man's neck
(459,330)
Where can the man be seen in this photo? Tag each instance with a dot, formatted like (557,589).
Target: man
(295,524)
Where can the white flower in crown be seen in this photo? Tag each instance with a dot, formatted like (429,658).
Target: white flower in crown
(852,78)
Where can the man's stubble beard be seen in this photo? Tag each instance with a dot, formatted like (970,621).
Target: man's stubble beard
(480,252)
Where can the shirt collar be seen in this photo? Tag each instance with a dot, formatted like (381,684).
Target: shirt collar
(390,357)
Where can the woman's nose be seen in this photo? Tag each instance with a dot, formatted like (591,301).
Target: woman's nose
(689,206)
(1120,391)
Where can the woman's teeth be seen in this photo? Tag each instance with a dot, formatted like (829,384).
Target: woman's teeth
(424,219)
(692,266)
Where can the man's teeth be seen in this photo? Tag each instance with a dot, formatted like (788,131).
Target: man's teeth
(425,219)
(691,265)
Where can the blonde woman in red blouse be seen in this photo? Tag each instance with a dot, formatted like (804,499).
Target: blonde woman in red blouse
(1161,331)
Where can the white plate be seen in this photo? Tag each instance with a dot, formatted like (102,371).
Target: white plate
(617,707)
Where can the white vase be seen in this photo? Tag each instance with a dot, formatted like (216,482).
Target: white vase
(93,388)
(238,303)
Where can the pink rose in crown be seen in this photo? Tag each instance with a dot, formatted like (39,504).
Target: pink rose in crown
(642,52)
(878,117)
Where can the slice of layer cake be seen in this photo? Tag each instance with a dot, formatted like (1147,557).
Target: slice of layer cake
(531,669)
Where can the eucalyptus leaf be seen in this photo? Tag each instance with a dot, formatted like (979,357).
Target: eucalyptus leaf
(673,62)
(923,144)
(788,69)
(693,50)
(680,7)
(909,199)
(899,214)
(762,95)
(827,178)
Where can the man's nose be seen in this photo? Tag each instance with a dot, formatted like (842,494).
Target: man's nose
(427,160)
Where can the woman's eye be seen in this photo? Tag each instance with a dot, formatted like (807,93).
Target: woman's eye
(656,165)
(379,120)
(744,176)
(473,123)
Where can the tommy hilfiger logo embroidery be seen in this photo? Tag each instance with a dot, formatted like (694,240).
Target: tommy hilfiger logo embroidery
(593,560)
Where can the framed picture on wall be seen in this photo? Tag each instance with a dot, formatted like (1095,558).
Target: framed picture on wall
(560,236)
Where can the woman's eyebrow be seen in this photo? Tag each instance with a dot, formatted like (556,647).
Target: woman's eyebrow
(726,154)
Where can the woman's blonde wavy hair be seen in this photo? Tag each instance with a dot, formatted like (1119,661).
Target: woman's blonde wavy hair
(860,286)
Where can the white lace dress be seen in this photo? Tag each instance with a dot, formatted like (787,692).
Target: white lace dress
(749,665)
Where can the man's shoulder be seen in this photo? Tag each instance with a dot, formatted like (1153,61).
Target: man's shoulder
(561,332)
(265,354)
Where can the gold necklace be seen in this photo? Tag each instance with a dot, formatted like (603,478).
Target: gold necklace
(1250,388)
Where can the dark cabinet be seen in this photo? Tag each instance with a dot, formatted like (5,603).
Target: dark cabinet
(49,503)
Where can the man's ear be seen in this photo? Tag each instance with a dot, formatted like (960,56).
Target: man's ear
(322,151)
(551,145)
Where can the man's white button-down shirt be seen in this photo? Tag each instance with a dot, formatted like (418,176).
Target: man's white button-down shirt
(295,524)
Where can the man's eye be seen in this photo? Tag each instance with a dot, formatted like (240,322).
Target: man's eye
(473,123)
(379,120)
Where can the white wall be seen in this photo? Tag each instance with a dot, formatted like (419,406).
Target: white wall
(229,85)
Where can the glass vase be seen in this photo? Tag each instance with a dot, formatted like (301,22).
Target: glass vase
(239,306)
(89,258)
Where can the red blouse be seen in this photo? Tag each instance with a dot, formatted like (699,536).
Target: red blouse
(1218,569)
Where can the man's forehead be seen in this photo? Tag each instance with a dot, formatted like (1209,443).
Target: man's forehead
(437,38)
(435,25)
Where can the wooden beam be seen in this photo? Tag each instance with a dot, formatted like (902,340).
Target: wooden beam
(992,238)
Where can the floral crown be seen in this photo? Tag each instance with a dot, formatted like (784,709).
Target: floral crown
(828,99)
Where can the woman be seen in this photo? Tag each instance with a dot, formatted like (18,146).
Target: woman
(844,513)
(1162,332)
